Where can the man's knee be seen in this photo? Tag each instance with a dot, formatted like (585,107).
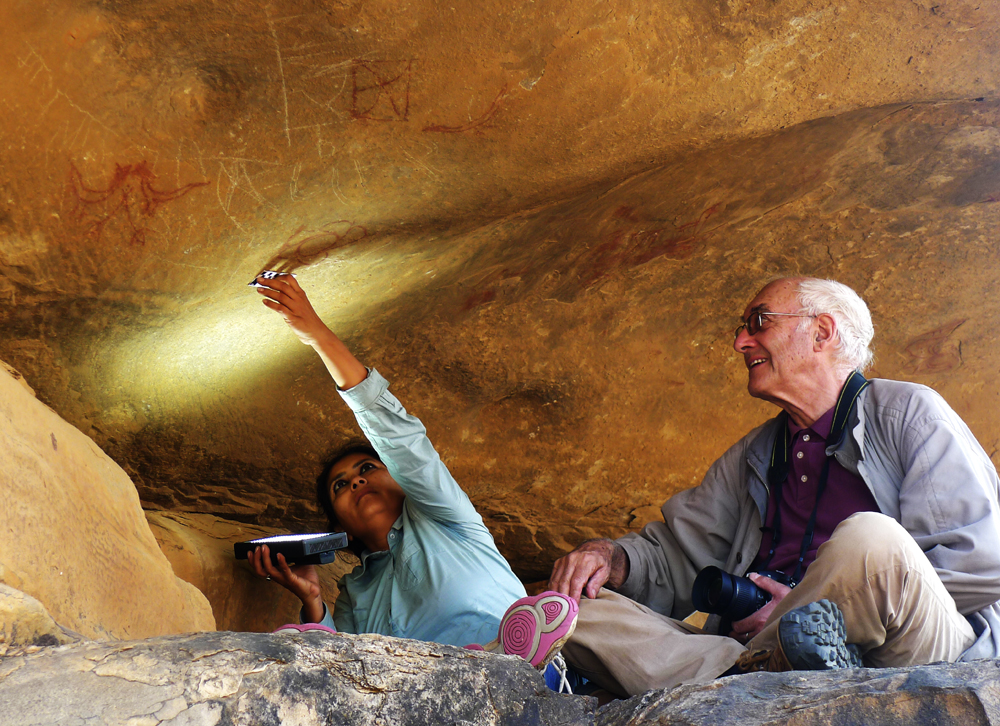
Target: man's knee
(866,535)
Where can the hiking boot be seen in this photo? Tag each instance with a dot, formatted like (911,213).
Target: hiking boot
(813,638)
(810,638)
(535,628)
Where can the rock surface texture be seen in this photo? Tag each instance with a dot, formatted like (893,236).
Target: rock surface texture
(961,694)
(244,679)
(24,622)
(73,536)
(251,679)
(540,221)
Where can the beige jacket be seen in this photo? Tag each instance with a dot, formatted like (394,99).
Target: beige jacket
(923,466)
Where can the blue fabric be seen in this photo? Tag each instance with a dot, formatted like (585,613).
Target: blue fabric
(442,578)
(577,683)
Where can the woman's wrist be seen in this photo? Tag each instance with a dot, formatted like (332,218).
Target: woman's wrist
(313,609)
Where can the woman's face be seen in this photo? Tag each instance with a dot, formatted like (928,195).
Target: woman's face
(366,499)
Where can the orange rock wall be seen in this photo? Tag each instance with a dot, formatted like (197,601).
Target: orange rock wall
(540,221)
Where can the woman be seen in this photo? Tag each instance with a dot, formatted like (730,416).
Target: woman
(430,569)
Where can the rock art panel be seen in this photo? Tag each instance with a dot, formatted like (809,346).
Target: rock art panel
(72,533)
(539,219)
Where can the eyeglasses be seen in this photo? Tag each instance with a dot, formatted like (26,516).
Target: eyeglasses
(755,321)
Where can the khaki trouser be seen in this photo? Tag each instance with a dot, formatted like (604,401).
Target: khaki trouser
(895,607)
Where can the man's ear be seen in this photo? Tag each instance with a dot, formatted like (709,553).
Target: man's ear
(825,332)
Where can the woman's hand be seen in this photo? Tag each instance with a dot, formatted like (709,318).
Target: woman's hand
(302,580)
(283,295)
(746,629)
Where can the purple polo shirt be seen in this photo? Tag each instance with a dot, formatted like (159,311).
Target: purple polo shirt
(845,494)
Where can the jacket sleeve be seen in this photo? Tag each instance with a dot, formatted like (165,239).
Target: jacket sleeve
(401,442)
(948,498)
(699,529)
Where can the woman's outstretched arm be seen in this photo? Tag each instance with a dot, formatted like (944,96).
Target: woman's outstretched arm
(285,297)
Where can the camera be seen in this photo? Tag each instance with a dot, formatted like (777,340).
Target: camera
(731,597)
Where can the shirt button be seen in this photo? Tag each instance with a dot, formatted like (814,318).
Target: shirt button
(804,478)
(799,455)
(805,437)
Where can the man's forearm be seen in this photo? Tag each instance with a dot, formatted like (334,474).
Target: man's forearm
(619,567)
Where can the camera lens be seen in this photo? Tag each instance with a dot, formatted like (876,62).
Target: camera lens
(729,596)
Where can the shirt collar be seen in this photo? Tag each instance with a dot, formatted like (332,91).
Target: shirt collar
(820,428)
(366,553)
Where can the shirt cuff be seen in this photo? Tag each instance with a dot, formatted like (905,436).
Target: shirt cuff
(322,621)
(364,395)
(636,570)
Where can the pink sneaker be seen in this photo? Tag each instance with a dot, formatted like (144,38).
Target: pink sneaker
(304,627)
(535,628)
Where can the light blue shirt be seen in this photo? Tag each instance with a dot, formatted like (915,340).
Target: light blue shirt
(442,578)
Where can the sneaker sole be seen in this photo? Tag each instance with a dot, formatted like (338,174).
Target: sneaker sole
(303,628)
(813,638)
(535,628)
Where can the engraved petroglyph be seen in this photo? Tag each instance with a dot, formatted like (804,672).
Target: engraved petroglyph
(33,64)
(281,72)
(234,177)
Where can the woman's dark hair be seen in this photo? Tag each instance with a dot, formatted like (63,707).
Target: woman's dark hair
(355,446)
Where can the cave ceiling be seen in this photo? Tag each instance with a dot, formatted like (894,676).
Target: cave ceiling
(539,220)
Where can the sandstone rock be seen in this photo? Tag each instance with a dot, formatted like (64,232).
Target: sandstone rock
(200,549)
(25,622)
(539,220)
(958,694)
(72,533)
(244,679)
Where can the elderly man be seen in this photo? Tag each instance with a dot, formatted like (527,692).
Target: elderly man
(873,497)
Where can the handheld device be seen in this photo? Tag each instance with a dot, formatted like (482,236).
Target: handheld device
(319,548)
(267,275)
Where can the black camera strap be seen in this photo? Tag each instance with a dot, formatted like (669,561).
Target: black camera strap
(778,472)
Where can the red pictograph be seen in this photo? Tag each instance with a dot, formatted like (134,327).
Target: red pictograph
(630,248)
(482,120)
(380,90)
(130,198)
(306,246)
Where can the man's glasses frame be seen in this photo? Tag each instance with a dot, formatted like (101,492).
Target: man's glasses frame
(755,321)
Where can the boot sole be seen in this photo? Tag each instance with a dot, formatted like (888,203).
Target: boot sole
(813,638)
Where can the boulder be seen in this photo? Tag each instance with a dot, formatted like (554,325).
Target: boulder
(946,694)
(200,549)
(24,622)
(289,679)
(73,535)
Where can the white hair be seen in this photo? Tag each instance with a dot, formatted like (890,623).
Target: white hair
(854,321)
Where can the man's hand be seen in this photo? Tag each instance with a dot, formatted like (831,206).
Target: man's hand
(587,568)
(744,630)
(302,581)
